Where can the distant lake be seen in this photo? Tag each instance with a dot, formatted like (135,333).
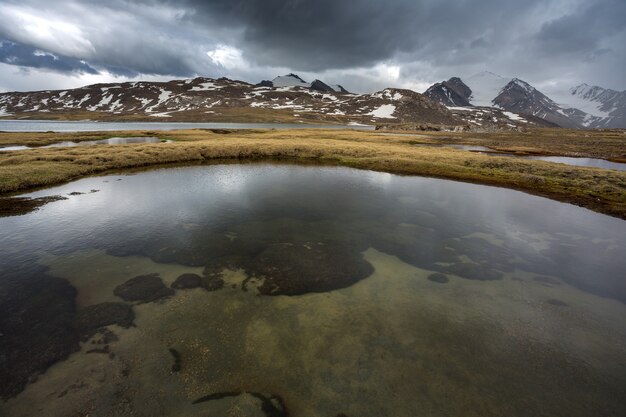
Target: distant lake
(90,126)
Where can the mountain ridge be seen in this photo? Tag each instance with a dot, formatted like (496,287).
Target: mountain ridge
(582,106)
(285,99)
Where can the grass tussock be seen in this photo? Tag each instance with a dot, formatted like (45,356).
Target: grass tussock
(597,189)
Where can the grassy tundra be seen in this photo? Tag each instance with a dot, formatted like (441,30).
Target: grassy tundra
(597,189)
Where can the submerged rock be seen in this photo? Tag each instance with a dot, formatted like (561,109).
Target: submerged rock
(143,288)
(211,281)
(187,281)
(438,278)
(36,326)
(91,318)
(293,269)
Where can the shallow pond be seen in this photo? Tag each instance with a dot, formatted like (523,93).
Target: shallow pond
(583,162)
(88,126)
(277,290)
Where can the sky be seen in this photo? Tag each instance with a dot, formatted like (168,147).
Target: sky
(364,45)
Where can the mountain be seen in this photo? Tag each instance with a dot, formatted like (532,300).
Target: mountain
(485,86)
(594,107)
(520,97)
(450,93)
(581,107)
(293,80)
(220,100)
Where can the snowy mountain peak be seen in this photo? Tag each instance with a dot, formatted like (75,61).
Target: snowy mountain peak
(292,75)
(452,92)
(293,80)
(485,74)
(319,85)
(522,84)
(485,87)
(289,80)
(579,88)
(588,92)
(585,105)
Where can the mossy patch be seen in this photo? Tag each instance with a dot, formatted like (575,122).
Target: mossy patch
(438,278)
(292,269)
(91,318)
(18,206)
(143,288)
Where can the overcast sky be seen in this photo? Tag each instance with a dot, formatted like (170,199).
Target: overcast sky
(364,45)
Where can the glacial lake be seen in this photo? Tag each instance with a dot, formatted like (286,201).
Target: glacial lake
(284,290)
(91,126)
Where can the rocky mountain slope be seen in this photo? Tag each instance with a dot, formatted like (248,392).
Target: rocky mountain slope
(520,97)
(293,80)
(580,107)
(284,99)
(452,92)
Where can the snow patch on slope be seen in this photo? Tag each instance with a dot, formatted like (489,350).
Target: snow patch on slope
(485,87)
(514,116)
(206,87)
(385,111)
(163,97)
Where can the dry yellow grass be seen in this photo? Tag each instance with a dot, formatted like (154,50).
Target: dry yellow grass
(597,189)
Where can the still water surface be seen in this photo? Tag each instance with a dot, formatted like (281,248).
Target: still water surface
(583,162)
(316,291)
(109,141)
(88,126)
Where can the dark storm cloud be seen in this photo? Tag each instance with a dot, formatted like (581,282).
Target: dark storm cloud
(421,40)
(323,34)
(26,56)
(582,30)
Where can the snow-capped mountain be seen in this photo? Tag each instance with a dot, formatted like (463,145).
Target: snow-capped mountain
(453,93)
(293,80)
(205,99)
(519,97)
(284,99)
(485,86)
(580,107)
(593,106)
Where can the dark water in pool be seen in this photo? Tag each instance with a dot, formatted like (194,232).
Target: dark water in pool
(310,291)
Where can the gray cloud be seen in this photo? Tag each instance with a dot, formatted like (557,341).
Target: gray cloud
(583,30)
(27,56)
(365,44)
